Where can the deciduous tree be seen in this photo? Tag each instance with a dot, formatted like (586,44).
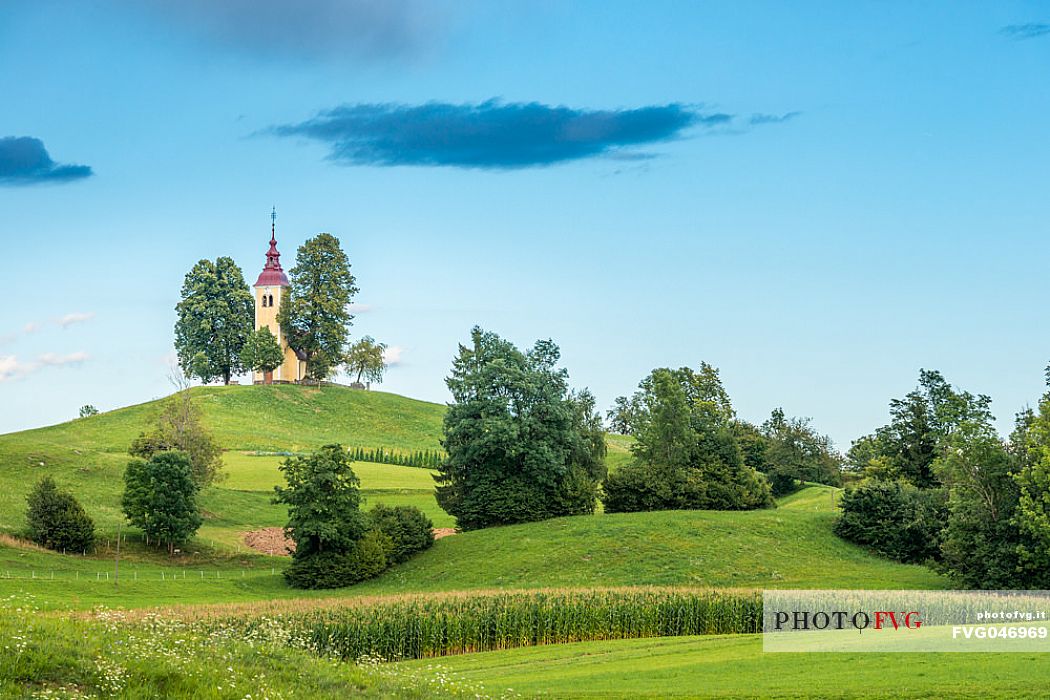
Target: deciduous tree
(686,455)
(160,497)
(364,360)
(180,427)
(262,352)
(215,316)
(315,316)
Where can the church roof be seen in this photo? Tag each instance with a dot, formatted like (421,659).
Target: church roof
(272,274)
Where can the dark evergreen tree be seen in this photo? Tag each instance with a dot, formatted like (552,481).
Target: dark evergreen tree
(520,446)
(56,520)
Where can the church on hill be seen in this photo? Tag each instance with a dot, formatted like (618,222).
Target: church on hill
(270,289)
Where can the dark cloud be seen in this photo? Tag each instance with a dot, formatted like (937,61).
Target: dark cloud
(307,28)
(492,134)
(760,119)
(25,161)
(1025,31)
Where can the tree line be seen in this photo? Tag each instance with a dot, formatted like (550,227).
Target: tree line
(522,446)
(939,485)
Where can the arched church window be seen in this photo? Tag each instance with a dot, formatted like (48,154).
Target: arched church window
(264,300)
(271,300)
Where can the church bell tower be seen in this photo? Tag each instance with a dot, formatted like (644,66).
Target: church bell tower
(270,290)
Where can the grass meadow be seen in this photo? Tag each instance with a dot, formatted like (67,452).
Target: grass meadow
(218,621)
(734,666)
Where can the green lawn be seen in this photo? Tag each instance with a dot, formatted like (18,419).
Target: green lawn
(618,450)
(735,667)
(89,455)
(790,547)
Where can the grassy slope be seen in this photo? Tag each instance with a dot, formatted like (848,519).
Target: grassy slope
(792,546)
(789,547)
(89,455)
(735,666)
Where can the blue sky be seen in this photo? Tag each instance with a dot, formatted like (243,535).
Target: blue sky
(817,198)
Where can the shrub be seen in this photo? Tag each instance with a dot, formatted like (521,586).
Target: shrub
(894,519)
(408,528)
(56,520)
(338,569)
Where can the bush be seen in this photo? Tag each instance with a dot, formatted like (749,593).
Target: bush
(320,570)
(637,487)
(408,528)
(56,520)
(894,519)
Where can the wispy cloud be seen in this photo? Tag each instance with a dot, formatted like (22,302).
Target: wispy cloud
(25,161)
(75,317)
(1030,30)
(51,359)
(501,136)
(359,308)
(65,321)
(368,29)
(13,368)
(392,355)
(760,119)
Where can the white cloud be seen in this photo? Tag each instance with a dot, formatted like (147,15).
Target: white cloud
(392,355)
(75,317)
(51,359)
(31,327)
(359,308)
(12,368)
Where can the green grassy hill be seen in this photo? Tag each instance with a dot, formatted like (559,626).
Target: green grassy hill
(88,455)
(792,546)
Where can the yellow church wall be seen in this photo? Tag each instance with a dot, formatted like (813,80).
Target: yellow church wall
(289,371)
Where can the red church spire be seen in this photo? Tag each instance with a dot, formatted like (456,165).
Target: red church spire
(272,274)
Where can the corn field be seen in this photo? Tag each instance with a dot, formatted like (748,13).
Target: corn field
(417,629)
